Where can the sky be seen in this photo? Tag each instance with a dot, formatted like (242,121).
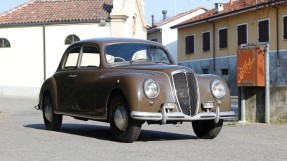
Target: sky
(152,7)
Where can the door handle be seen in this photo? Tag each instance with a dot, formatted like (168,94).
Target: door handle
(72,76)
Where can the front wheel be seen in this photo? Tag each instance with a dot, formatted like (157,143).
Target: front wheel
(124,128)
(52,121)
(207,129)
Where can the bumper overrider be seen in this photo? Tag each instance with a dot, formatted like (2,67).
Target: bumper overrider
(165,115)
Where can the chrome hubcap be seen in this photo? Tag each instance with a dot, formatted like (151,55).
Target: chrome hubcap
(48,113)
(121,118)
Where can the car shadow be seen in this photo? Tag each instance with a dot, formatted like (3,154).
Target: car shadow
(104,132)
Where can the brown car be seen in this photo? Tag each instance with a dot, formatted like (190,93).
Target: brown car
(128,82)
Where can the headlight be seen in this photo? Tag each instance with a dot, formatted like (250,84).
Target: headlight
(151,89)
(217,89)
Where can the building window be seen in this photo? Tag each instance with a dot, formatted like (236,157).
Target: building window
(241,34)
(224,71)
(206,41)
(154,39)
(205,71)
(71,39)
(264,31)
(285,27)
(189,44)
(134,27)
(4,43)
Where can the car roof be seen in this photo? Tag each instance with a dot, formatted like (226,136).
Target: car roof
(111,40)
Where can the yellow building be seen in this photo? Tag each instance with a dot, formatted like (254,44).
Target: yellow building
(208,42)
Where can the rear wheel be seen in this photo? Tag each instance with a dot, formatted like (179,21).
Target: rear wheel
(207,129)
(124,128)
(52,121)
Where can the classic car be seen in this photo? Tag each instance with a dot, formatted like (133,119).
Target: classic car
(128,82)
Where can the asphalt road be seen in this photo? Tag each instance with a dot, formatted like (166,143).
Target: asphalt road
(24,138)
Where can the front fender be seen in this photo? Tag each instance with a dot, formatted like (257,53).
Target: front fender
(205,92)
(49,87)
(131,85)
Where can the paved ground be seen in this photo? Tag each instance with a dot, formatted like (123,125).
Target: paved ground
(23,138)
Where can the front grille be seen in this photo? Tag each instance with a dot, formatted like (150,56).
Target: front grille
(186,92)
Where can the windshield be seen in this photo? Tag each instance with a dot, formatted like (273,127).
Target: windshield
(135,52)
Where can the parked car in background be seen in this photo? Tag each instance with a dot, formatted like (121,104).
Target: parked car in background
(128,82)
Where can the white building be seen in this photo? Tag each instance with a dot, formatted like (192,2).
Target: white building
(34,36)
(163,34)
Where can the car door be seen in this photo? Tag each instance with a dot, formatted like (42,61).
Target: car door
(65,80)
(86,86)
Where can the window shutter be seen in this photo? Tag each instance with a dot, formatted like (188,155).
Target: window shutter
(206,41)
(186,44)
(223,38)
(264,31)
(285,27)
(189,44)
(241,34)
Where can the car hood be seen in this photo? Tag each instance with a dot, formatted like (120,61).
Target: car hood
(166,68)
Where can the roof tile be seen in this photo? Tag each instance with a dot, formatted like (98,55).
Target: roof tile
(228,8)
(45,11)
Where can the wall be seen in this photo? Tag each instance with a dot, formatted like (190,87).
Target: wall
(21,66)
(127,19)
(55,40)
(167,36)
(226,58)
(251,19)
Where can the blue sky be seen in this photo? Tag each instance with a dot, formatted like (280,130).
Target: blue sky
(152,7)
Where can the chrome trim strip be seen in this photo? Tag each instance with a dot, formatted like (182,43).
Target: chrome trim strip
(149,116)
(179,116)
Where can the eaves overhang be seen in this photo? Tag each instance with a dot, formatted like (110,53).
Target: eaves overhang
(152,30)
(224,15)
(40,23)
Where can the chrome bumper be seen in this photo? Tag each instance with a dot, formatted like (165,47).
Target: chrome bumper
(164,116)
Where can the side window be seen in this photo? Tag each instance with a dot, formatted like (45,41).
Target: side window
(263,31)
(206,41)
(72,58)
(189,44)
(71,39)
(91,57)
(4,43)
(222,38)
(158,55)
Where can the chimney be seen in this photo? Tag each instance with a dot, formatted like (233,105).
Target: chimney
(219,7)
(164,12)
(152,20)
(231,2)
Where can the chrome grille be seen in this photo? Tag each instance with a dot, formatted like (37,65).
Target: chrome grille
(186,92)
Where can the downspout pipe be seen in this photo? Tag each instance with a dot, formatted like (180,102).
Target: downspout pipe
(267,85)
(44,50)
(277,35)
(213,46)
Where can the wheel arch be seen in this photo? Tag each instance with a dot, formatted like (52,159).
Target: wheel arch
(112,95)
(49,88)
